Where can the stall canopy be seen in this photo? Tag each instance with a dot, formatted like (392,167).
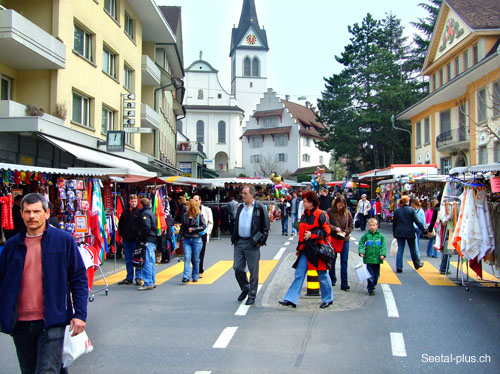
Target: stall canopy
(101,158)
(186,181)
(399,169)
(483,168)
(38,169)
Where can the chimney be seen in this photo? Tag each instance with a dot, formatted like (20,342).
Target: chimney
(287,97)
(308,104)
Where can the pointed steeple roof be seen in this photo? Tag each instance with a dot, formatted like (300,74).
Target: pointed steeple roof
(248,19)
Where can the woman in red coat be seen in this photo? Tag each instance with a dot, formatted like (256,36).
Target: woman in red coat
(313,228)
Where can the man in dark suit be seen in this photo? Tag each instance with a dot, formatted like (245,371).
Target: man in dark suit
(250,233)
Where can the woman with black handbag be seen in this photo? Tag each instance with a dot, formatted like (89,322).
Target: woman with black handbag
(313,233)
(341,226)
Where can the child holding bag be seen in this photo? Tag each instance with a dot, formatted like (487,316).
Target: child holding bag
(373,250)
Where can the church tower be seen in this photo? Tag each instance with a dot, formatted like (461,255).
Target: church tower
(248,59)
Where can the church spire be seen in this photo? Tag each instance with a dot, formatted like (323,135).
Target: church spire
(248,20)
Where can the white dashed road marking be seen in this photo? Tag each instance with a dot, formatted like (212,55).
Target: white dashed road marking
(287,243)
(398,344)
(243,308)
(225,337)
(280,253)
(202,372)
(390,302)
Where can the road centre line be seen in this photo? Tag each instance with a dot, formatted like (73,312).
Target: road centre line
(225,337)
(202,372)
(390,302)
(287,243)
(280,253)
(398,344)
(243,308)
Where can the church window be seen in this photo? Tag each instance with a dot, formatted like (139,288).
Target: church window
(200,94)
(246,67)
(200,131)
(222,132)
(256,67)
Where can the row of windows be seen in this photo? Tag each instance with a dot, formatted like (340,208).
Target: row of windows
(110,6)
(200,131)
(458,65)
(258,142)
(482,154)
(200,95)
(83,46)
(282,157)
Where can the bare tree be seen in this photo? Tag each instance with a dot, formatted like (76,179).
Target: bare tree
(267,165)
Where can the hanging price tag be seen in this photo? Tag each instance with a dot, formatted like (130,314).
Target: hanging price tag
(495,184)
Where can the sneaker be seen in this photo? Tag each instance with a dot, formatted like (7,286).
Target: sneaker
(125,281)
(145,288)
(185,280)
(139,282)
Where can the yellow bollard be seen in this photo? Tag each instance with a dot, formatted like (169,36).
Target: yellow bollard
(312,283)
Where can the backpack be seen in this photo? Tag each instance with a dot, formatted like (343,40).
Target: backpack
(139,255)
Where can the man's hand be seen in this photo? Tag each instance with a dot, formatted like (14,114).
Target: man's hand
(362,255)
(77,326)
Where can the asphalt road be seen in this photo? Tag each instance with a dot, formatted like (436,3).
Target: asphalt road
(202,328)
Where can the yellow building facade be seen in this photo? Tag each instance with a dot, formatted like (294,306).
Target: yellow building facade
(74,70)
(458,123)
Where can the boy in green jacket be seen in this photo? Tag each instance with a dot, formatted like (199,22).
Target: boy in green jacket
(372,248)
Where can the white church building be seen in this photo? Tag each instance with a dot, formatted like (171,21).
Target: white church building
(229,125)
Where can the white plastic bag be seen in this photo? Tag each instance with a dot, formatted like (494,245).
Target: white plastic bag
(394,247)
(75,346)
(362,272)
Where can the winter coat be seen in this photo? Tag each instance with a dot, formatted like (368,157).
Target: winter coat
(197,224)
(128,226)
(65,284)
(260,225)
(315,221)
(148,229)
(344,222)
(372,245)
(402,226)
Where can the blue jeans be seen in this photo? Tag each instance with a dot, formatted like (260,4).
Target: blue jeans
(417,241)
(192,249)
(431,251)
(444,267)
(284,225)
(401,248)
(38,350)
(374,270)
(325,283)
(149,269)
(294,218)
(344,256)
(128,251)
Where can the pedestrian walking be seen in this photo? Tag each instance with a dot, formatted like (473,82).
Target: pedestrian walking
(148,230)
(363,212)
(284,206)
(193,227)
(403,231)
(431,251)
(372,248)
(295,202)
(415,204)
(341,226)
(249,234)
(325,199)
(43,288)
(128,229)
(313,230)
(208,218)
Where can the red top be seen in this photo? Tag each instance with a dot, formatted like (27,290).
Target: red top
(310,221)
(30,304)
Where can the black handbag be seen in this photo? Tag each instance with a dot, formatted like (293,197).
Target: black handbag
(139,255)
(324,250)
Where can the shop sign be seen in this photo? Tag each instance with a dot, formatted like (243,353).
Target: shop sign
(495,184)
(81,225)
(185,168)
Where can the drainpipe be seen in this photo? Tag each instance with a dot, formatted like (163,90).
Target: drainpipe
(393,120)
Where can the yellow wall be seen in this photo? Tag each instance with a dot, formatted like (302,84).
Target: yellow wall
(39,12)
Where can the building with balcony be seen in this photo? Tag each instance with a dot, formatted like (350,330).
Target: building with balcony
(72,71)
(458,123)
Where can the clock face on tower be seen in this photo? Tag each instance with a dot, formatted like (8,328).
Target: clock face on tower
(251,39)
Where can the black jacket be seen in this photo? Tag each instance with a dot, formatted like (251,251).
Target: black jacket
(181,210)
(147,226)
(402,226)
(260,225)
(197,224)
(128,226)
(325,202)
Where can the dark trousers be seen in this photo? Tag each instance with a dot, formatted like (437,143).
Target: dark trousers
(344,256)
(246,255)
(362,221)
(374,270)
(202,253)
(39,350)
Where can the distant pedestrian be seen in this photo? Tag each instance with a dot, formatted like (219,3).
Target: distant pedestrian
(250,233)
(193,226)
(148,231)
(363,212)
(284,206)
(415,204)
(431,251)
(294,208)
(206,212)
(325,199)
(372,248)
(403,231)
(377,210)
(43,288)
(128,229)
(313,229)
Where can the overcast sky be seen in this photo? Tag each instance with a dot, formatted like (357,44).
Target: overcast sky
(303,36)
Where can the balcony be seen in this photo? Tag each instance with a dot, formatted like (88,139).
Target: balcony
(454,140)
(151,75)
(149,118)
(25,46)
(190,147)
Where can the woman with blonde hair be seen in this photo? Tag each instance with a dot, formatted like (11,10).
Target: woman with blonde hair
(192,227)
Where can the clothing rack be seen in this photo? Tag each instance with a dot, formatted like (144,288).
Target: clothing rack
(81,240)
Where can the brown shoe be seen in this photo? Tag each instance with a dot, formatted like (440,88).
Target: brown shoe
(125,281)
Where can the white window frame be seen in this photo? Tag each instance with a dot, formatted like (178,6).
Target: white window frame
(255,159)
(445,168)
(256,142)
(128,78)
(281,157)
(108,119)
(87,41)
(281,140)
(85,103)
(112,8)
(128,27)
(306,157)
(109,67)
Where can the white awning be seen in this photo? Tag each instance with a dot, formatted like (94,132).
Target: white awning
(88,172)
(100,158)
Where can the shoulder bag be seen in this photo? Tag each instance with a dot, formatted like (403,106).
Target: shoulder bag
(324,250)
(139,255)
(338,244)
